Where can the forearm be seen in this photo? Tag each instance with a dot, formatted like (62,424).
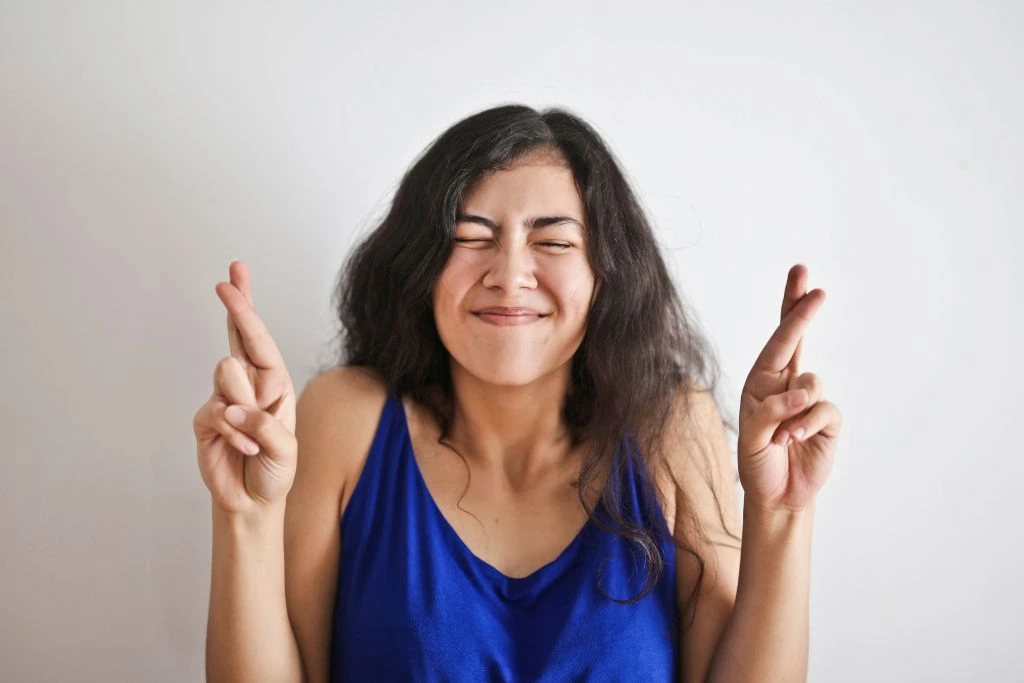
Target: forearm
(767,633)
(249,636)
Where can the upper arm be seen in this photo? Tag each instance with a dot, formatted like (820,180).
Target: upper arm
(334,420)
(705,509)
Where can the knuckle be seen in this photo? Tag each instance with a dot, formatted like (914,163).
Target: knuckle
(231,378)
(811,382)
(220,371)
(224,364)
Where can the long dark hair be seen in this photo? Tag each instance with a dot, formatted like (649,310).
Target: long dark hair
(640,348)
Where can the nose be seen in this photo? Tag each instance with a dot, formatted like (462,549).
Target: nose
(511,268)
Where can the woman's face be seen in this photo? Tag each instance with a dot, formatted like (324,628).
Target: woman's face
(520,242)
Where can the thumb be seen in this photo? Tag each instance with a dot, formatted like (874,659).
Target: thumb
(274,439)
(761,427)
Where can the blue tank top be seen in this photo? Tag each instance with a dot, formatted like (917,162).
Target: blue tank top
(415,604)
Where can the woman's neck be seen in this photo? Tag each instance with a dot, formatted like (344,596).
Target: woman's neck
(515,432)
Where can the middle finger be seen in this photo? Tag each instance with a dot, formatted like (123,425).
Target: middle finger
(778,353)
(256,346)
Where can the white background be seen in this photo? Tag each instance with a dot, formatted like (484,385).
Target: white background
(145,145)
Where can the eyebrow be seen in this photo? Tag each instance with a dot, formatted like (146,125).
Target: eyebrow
(531,223)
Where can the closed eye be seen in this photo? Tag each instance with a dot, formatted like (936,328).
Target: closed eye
(560,245)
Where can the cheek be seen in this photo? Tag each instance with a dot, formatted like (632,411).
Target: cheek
(459,269)
(451,287)
(574,289)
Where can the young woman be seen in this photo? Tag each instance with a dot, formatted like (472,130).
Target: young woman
(518,471)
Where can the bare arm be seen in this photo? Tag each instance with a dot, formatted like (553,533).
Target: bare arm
(276,537)
(787,441)
(705,498)
(766,636)
(751,612)
(248,634)
(337,417)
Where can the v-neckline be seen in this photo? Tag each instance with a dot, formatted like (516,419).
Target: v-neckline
(567,554)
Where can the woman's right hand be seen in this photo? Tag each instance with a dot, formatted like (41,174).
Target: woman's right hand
(254,379)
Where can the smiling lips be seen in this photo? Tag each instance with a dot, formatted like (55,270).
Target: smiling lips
(509,316)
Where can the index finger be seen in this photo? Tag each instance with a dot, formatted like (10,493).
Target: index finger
(781,348)
(255,343)
(796,287)
(238,273)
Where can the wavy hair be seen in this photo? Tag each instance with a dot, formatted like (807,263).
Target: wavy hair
(641,346)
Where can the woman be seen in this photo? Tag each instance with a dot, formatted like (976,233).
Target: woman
(521,448)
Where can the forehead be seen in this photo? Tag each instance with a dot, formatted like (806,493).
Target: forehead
(538,182)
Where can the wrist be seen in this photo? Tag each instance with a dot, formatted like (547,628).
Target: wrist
(259,519)
(762,519)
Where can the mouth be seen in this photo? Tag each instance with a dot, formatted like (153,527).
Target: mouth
(508,319)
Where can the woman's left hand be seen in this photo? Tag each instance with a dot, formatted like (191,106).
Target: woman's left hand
(780,467)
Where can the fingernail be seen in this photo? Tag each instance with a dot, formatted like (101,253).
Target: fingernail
(797,398)
(234,415)
(782,438)
(799,433)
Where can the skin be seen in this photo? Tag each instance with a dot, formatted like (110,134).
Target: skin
(782,466)
(785,453)
(510,381)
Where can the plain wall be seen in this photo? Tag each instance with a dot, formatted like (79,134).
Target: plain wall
(145,145)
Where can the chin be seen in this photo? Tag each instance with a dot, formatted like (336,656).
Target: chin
(506,374)
(508,378)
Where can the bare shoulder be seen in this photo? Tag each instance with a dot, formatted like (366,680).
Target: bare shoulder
(700,489)
(697,464)
(335,422)
(335,419)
